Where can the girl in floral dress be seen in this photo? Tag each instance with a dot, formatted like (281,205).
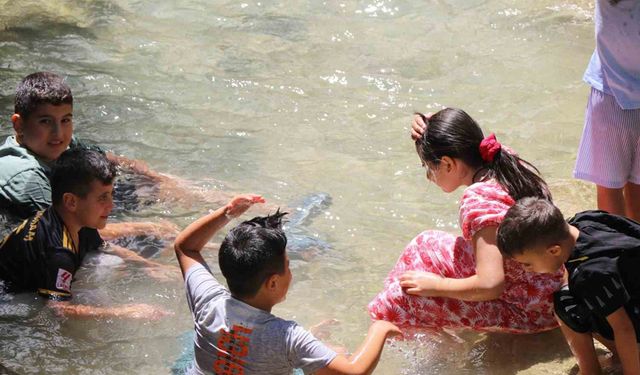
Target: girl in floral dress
(444,281)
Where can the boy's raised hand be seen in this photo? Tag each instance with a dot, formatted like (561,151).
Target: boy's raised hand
(195,236)
(240,204)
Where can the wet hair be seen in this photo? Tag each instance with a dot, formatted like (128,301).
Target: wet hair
(75,170)
(252,252)
(452,132)
(530,223)
(41,88)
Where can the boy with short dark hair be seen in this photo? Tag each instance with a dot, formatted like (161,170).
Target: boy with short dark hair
(43,124)
(43,253)
(601,253)
(235,330)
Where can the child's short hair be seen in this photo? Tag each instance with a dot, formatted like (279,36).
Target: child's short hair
(530,223)
(38,88)
(252,252)
(75,170)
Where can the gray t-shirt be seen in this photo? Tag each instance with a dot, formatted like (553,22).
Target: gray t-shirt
(233,338)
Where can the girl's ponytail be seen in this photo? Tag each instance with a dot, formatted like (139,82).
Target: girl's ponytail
(519,177)
(452,132)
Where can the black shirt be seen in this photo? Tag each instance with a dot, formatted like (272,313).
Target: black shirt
(603,272)
(39,255)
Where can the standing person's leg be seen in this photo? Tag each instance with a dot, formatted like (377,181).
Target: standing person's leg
(606,152)
(611,200)
(632,201)
(632,188)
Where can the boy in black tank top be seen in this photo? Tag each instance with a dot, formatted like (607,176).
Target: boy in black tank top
(601,255)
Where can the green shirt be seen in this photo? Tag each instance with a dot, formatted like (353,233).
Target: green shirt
(24,179)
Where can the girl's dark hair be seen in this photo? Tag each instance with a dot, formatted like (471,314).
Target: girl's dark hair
(452,132)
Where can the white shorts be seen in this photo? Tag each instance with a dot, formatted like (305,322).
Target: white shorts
(609,152)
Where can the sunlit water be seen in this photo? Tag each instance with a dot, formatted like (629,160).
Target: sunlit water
(288,99)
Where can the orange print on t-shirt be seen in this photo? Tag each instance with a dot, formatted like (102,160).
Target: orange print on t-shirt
(233,346)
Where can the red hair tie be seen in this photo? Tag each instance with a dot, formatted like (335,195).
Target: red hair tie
(489,147)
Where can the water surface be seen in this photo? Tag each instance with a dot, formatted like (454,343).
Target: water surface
(288,99)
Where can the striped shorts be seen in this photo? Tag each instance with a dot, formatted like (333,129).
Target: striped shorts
(609,152)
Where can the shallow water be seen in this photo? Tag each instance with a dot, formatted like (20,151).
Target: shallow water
(288,99)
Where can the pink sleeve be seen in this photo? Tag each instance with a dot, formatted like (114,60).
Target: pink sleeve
(483,204)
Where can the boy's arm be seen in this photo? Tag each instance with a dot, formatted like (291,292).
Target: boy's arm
(153,269)
(365,359)
(170,188)
(175,189)
(625,339)
(137,166)
(195,236)
(129,255)
(486,284)
(162,228)
(130,311)
(581,345)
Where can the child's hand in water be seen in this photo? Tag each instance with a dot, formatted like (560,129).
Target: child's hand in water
(130,311)
(418,126)
(141,311)
(240,204)
(150,312)
(420,283)
(162,228)
(388,328)
(322,331)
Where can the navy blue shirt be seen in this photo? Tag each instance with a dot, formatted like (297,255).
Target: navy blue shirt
(603,273)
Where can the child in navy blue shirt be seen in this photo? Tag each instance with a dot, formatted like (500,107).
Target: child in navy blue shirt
(601,254)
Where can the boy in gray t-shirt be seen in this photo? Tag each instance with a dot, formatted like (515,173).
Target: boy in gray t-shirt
(236,334)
